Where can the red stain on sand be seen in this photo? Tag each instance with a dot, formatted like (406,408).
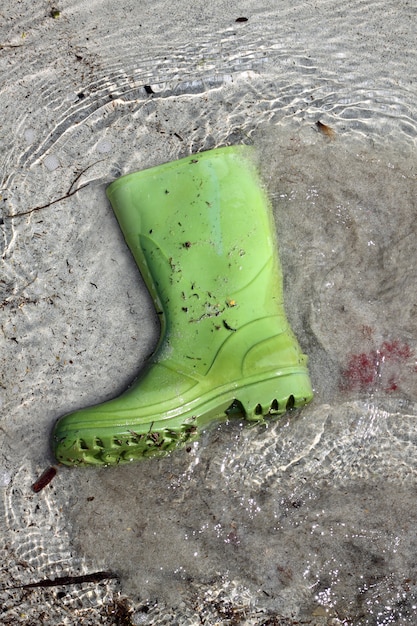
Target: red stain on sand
(379,367)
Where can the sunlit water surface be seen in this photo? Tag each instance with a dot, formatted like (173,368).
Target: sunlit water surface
(310,519)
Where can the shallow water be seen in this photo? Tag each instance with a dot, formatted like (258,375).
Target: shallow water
(312,518)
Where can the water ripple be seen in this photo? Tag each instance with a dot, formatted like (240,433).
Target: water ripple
(312,516)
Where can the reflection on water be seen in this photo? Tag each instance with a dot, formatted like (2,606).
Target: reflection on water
(311,518)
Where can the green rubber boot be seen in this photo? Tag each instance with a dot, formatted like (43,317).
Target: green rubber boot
(201,232)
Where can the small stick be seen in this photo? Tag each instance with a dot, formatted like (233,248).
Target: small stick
(77,178)
(71,191)
(96,577)
(44,479)
(45,206)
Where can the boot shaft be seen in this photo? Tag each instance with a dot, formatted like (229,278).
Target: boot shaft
(201,232)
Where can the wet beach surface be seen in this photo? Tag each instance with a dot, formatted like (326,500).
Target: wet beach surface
(309,519)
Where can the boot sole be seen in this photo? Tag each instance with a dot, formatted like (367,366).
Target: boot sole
(96,444)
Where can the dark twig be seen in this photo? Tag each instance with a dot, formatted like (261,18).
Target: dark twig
(96,577)
(71,191)
(45,206)
(77,178)
(4,46)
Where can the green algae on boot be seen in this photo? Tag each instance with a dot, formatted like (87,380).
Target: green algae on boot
(201,232)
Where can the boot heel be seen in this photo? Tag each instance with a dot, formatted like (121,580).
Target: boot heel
(274,396)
